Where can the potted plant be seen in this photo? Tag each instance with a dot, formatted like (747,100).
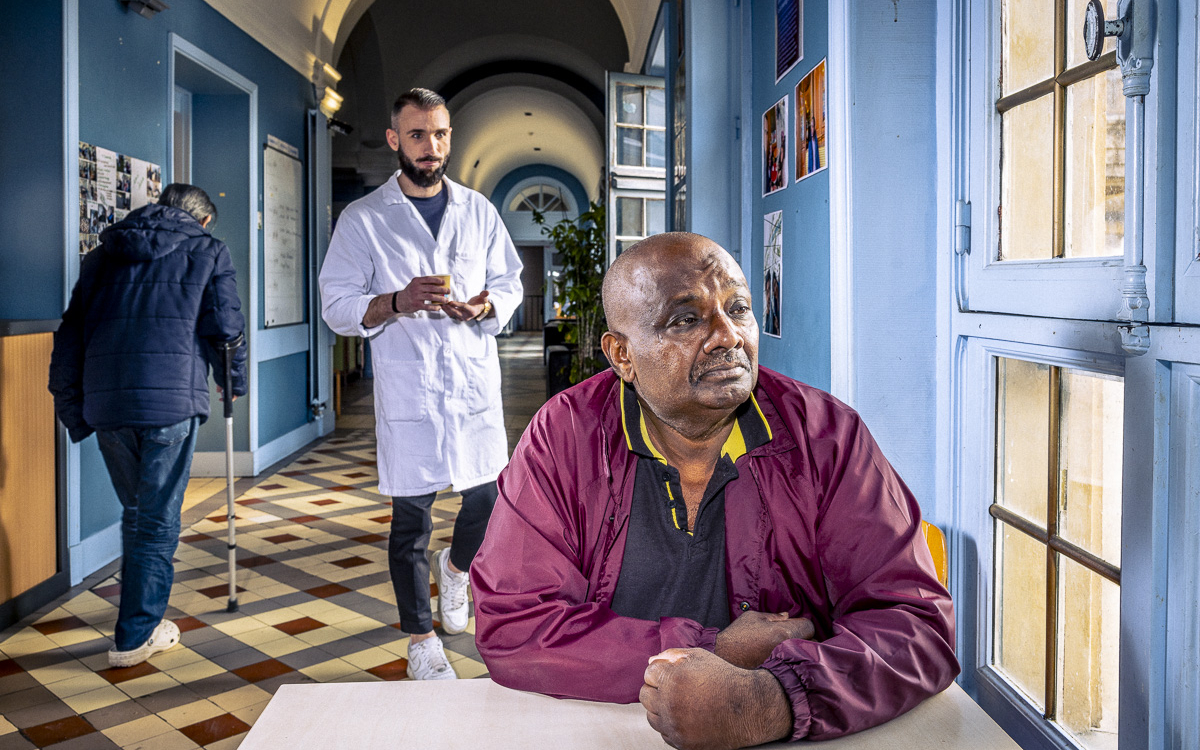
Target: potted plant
(582,248)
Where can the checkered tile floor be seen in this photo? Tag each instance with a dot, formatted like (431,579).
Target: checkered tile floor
(316,603)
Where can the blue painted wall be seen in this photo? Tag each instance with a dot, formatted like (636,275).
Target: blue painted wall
(894,236)
(31,162)
(124,105)
(220,124)
(803,351)
(278,376)
(507,182)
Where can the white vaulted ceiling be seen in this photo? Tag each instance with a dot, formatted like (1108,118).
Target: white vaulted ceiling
(494,61)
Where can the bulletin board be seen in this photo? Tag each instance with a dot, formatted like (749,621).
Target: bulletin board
(283,234)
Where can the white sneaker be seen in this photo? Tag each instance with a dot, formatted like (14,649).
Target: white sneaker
(165,635)
(452,593)
(427,661)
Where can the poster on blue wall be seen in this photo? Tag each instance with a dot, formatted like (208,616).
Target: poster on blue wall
(775,161)
(772,273)
(811,106)
(789,36)
(110,186)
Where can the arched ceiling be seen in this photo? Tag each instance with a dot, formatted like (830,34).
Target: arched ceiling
(493,61)
(493,135)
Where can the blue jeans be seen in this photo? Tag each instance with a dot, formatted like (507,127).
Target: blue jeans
(149,467)
(412,526)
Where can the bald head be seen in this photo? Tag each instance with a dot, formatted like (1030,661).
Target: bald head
(635,280)
(681,330)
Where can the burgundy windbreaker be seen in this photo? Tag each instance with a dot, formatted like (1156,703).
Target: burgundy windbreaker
(817,524)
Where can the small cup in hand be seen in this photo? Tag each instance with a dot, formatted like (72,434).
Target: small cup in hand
(444,278)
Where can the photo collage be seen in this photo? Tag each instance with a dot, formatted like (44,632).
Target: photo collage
(110,186)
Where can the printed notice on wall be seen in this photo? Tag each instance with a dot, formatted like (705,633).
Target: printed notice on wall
(110,186)
(283,234)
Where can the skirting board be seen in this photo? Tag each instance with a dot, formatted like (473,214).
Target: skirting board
(251,463)
(95,552)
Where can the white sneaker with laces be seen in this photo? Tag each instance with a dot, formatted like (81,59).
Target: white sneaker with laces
(165,635)
(427,661)
(453,610)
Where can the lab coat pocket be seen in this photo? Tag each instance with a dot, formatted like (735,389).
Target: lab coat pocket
(401,388)
(483,389)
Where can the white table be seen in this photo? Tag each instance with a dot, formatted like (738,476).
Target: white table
(474,714)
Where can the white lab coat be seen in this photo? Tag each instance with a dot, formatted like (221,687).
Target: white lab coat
(438,416)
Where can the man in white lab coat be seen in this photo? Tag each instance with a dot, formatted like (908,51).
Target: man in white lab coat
(438,416)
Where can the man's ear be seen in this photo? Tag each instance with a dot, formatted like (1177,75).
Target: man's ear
(616,349)
(393,139)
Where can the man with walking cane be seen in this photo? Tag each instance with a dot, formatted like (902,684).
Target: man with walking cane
(153,308)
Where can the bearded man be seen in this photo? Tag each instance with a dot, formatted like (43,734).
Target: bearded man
(424,268)
(723,543)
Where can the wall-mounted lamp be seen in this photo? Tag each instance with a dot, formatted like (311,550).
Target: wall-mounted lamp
(324,79)
(331,102)
(146,8)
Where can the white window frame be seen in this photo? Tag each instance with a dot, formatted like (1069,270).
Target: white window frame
(1064,312)
(1084,288)
(1187,166)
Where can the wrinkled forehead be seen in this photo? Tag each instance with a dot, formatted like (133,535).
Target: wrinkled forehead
(682,273)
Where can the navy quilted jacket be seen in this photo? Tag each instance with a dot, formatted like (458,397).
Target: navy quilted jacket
(146,320)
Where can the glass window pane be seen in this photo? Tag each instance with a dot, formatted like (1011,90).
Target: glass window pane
(656,148)
(1090,458)
(1076,52)
(1027,43)
(1022,437)
(1021,612)
(623,245)
(629,217)
(1095,221)
(629,107)
(1027,181)
(629,147)
(656,108)
(1088,627)
(656,216)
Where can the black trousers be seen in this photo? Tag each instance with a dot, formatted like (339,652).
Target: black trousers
(412,526)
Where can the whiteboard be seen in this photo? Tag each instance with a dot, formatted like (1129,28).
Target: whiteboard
(283,239)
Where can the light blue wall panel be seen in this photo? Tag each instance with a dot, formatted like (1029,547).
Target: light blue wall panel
(99,507)
(803,350)
(894,240)
(289,408)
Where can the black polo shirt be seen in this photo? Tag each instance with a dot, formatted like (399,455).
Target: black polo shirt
(667,570)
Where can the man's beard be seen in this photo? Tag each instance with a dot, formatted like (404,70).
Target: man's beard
(422,177)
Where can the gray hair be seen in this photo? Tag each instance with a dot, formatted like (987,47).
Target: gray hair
(189,198)
(419,98)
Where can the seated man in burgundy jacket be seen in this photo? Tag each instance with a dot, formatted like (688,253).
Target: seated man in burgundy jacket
(727,545)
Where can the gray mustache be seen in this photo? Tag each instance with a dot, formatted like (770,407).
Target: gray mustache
(730,357)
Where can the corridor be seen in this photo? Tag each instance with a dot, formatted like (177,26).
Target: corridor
(315,595)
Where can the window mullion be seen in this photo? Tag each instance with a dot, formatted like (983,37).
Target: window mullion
(1054,484)
(1058,248)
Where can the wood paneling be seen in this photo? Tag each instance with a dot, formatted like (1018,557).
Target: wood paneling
(28,532)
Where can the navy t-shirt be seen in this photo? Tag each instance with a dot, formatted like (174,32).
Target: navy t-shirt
(432,209)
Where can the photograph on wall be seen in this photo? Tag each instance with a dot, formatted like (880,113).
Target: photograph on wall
(772,272)
(789,36)
(811,106)
(110,186)
(775,161)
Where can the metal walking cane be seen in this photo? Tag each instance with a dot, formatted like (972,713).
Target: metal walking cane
(228,349)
